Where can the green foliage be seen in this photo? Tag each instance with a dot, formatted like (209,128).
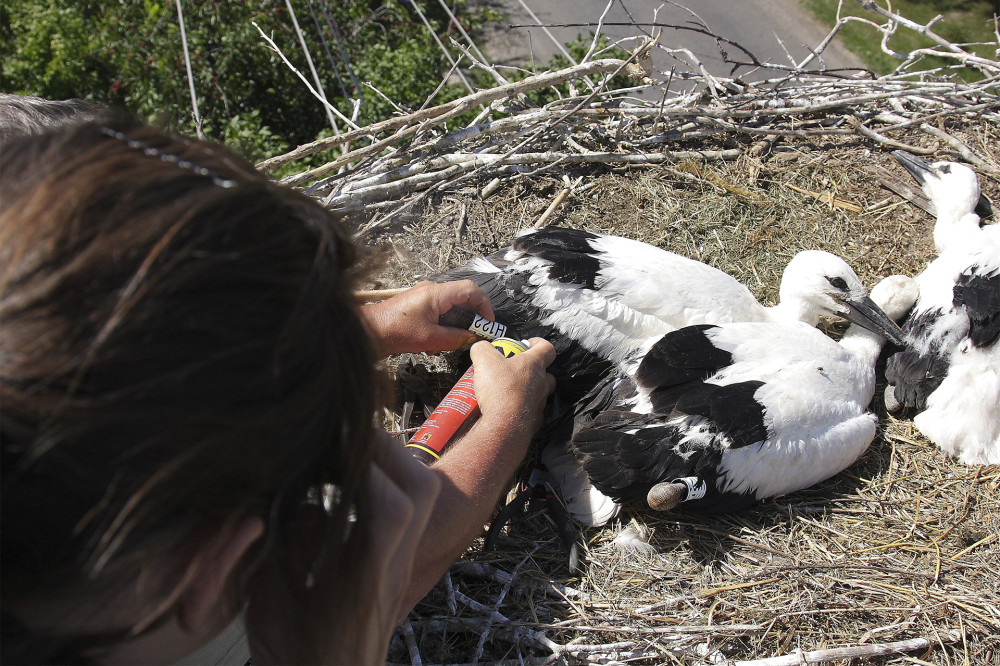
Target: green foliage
(964,21)
(130,55)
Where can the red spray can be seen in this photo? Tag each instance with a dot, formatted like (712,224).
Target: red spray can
(430,440)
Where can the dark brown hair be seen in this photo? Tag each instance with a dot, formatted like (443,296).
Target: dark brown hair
(179,348)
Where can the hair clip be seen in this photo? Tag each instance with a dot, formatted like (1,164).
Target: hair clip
(169,157)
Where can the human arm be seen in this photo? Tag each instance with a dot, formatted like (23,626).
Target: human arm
(475,470)
(408,322)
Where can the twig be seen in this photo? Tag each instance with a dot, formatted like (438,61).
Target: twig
(962,149)
(322,99)
(411,644)
(853,652)
(374,295)
(533,636)
(312,68)
(443,48)
(439,114)
(488,572)
(886,141)
(827,198)
(966,58)
(558,199)
(190,76)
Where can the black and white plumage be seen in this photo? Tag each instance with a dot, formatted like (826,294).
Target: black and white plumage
(608,294)
(949,370)
(597,297)
(736,413)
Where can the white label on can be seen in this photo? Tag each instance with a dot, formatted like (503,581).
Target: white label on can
(486,328)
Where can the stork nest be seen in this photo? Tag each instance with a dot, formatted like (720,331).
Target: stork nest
(892,561)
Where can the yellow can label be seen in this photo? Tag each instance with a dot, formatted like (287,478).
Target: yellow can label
(509,347)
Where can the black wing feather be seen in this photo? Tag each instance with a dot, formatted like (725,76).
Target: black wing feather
(980,296)
(576,369)
(732,409)
(915,376)
(626,465)
(574,258)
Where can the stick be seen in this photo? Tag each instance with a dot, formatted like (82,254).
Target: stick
(535,637)
(827,198)
(962,149)
(857,651)
(411,644)
(446,111)
(489,572)
(886,141)
(375,295)
(563,193)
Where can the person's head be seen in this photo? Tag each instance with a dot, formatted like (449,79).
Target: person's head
(181,363)
(22,115)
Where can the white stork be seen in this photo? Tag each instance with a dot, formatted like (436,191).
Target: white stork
(949,370)
(608,294)
(723,416)
(597,297)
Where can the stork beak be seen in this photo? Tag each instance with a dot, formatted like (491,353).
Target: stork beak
(918,168)
(864,312)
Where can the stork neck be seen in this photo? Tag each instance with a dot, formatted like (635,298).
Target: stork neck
(862,343)
(794,309)
(950,231)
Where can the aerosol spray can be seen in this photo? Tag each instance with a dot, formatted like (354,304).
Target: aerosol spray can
(481,326)
(430,440)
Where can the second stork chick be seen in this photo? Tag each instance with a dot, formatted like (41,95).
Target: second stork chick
(724,416)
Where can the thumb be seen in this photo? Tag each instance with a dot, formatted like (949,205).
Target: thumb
(450,337)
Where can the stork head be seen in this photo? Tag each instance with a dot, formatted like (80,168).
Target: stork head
(817,283)
(952,188)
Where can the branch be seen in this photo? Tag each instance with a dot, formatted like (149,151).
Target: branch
(438,114)
(987,66)
(854,652)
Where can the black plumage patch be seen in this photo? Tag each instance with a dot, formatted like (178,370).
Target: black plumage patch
(556,239)
(681,356)
(625,454)
(732,409)
(570,251)
(980,296)
(915,376)
(625,465)
(984,209)
(576,369)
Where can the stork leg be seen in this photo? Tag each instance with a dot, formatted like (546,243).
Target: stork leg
(666,495)
(892,405)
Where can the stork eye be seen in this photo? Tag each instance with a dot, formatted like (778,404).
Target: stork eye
(838,283)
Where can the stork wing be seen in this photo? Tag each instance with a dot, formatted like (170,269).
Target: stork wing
(644,280)
(978,292)
(969,309)
(625,454)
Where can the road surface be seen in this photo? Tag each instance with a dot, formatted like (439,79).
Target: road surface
(765,28)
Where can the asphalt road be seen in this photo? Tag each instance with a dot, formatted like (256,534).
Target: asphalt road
(770,29)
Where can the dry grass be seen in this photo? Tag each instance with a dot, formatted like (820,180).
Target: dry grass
(903,544)
(897,556)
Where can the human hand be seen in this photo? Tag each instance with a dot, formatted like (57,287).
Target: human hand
(514,390)
(344,616)
(408,322)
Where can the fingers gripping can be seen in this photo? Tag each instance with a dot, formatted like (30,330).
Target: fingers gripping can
(430,440)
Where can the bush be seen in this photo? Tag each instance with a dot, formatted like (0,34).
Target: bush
(130,55)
